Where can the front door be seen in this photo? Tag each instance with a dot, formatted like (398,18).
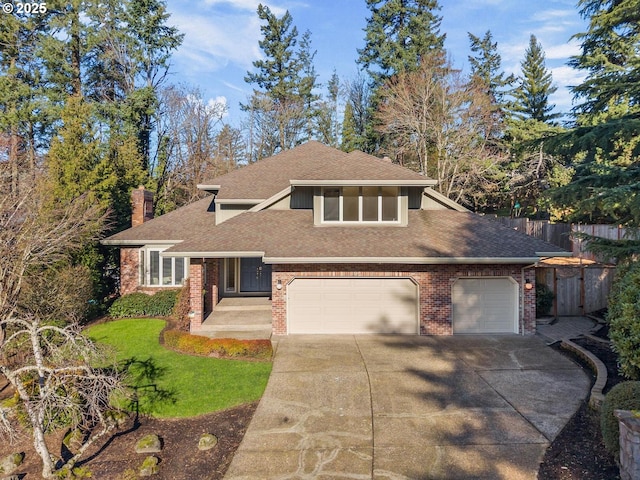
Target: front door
(255,276)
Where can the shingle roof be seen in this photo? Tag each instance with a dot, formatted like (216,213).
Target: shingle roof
(430,234)
(197,218)
(310,161)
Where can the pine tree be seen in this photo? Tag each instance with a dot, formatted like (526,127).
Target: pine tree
(286,79)
(486,67)
(535,86)
(399,33)
(604,149)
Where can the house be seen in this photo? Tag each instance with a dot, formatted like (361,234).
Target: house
(340,243)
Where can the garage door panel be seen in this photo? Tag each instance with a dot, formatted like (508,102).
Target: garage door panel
(352,305)
(484,305)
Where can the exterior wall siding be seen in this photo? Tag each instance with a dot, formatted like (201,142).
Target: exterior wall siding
(434,281)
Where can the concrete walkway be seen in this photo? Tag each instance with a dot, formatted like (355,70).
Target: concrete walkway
(395,407)
(566,327)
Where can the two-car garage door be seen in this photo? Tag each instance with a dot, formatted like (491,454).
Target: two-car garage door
(352,305)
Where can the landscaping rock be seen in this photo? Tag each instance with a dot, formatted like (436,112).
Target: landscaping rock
(10,463)
(207,441)
(149,444)
(149,466)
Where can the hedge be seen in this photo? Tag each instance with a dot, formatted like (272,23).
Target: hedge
(624,396)
(624,319)
(217,347)
(138,304)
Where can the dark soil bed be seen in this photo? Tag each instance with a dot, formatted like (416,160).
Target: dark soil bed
(578,451)
(180,458)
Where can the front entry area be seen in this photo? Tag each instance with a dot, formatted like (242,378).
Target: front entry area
(352,306)
(246,276)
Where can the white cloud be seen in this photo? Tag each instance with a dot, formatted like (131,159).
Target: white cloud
(562,51)
(247,5)
(212,42)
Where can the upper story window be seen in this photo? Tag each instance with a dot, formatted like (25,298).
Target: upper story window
(370,204)
(159,271)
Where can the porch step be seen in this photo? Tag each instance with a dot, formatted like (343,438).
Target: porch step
(241,308)
(260,334)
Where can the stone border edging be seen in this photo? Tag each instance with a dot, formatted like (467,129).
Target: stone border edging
(597,397)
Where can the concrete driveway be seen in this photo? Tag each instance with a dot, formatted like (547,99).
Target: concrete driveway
(402,407)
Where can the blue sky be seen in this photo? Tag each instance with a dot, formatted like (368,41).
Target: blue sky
(221,39)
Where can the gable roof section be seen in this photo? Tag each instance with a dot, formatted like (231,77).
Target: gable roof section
(432,236)
(196,218)
(308,164)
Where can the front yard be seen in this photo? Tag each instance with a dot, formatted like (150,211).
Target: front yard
(181,397)
(173,385)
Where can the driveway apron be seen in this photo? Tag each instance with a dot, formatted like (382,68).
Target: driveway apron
(402,407)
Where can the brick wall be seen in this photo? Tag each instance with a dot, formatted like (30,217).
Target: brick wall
(196,298)
(435,283)
(129,259)
(203,289)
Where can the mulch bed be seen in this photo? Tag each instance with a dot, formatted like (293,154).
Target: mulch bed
(578,451)
(180,458)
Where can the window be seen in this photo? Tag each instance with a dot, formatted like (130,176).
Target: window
(159,271)
(230,272)
(360,204)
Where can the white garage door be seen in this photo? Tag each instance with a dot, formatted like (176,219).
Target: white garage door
(485,305)
(352,305)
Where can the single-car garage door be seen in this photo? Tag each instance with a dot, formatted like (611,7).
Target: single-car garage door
(352,305)
(485,305)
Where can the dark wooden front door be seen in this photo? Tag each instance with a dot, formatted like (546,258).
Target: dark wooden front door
(255,276)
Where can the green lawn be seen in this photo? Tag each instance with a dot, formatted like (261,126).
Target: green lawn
(177,385)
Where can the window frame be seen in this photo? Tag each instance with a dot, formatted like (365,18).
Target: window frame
(361,202)
(144,268)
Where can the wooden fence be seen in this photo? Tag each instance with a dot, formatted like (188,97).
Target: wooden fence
(578,290)
(563,234)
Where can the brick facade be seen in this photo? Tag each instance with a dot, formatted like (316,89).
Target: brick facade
(203,289)
(129,270)
(434,284)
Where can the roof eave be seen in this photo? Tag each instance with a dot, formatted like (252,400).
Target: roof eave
(125,243)
(355,183)
(208,187)
(408,260)
(219,254)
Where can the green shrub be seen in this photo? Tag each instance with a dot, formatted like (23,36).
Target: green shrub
(217,347)
(139,304)
(624,319)
(130,305)
(183,307)
(624,396)
(544,300)
(162,303)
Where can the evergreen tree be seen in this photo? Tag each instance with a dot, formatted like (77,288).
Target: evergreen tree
(535,87)
(604,148)
(486,67)
(20,95)
(399,33)
(286,79)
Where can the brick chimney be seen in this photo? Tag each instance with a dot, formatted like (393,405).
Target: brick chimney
(141,206)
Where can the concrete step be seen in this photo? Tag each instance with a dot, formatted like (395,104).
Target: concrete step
(241,308)
(258,334)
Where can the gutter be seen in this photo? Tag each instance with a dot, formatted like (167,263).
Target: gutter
(411,260)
